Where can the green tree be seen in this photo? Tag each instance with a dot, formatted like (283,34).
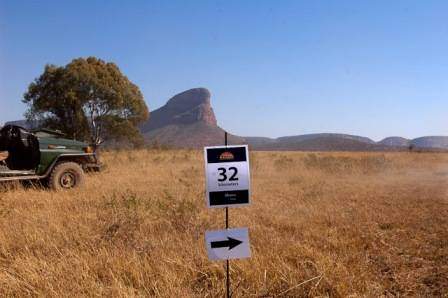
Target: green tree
(87,99)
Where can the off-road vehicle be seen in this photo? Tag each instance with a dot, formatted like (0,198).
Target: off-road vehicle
(46,156)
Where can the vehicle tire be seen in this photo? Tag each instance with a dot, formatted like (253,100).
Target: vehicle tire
(66,175)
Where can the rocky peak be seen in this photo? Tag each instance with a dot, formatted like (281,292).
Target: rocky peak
(189,107)
(192,106)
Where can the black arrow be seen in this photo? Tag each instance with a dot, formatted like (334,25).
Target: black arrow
(230,243)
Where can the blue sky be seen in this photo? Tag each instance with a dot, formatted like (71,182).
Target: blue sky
(275,68)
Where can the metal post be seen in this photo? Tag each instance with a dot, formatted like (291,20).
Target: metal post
(227,226)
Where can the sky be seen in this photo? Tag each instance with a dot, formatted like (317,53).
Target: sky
(274,68)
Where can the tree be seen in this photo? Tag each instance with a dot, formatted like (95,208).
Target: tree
(87,99)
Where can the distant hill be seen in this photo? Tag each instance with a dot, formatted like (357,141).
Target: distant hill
(318,142)
(187,120)
(306,137)
(395,141)
(430,142)
(341,142)
(436,142)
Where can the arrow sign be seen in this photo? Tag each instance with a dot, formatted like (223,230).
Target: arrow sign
(228,244)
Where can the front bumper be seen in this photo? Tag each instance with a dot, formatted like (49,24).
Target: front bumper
(94,167)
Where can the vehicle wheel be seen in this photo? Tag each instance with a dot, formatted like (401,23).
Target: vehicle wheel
(66,175)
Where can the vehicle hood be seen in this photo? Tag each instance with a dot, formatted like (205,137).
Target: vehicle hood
(60,143)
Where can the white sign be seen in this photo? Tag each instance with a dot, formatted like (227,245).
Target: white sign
(227,176)
(228,244)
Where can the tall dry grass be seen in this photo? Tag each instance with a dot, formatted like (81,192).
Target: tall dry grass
(321,224)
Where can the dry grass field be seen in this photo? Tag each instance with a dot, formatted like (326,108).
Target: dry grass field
(321,224)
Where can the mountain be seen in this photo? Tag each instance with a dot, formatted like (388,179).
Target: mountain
(434,142)
(300,138)
(186,120)
(184,108)
(343,142)
(318,142)
(430,142)
(395,141)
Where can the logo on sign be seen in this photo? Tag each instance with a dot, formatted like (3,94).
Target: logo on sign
(226,156)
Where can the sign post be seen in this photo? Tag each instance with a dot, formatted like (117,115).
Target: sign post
(227,227)
(227,185)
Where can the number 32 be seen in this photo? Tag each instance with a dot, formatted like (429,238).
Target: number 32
(223,175)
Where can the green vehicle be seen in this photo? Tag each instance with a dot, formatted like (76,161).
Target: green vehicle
(44,155)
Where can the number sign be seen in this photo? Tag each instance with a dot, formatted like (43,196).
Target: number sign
(227,175)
